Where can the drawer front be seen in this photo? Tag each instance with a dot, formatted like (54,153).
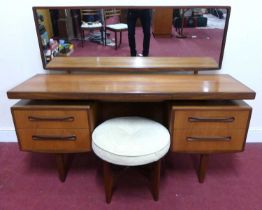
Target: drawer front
(208,140)
(33,119)
(54,140)
(209,127)
(211,119)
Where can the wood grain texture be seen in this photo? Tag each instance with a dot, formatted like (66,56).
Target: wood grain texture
(131,64)
(81,144)
(202,168)
(54,127)
(131,87)
(207,137)
(162,22)
(205,144)
(62,166)
(51,118)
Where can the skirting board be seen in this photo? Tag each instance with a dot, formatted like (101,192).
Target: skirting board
(254,135)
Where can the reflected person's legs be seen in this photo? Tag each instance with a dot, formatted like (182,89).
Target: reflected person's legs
(146,23)
(131,22)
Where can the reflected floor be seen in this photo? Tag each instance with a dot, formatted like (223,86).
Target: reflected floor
(199,42)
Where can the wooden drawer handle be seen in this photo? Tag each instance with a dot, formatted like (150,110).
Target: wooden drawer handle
(63,119)
(204,138)
(53,138)
(205,119)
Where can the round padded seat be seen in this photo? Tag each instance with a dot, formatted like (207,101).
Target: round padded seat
(130,141)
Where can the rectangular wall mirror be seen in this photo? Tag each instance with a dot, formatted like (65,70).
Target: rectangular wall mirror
(89,34)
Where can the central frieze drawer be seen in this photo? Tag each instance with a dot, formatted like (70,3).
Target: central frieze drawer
(209,127)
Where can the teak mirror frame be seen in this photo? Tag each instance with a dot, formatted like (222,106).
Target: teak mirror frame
(130,64)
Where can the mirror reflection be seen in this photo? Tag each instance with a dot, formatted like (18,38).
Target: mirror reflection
(160,32)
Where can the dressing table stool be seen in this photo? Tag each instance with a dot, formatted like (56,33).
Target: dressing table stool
(130,141)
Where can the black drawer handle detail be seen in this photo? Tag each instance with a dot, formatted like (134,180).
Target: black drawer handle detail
(205,119)
(63,119)
(204,138)
(53,138)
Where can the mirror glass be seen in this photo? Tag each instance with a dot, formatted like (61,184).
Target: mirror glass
(109,32)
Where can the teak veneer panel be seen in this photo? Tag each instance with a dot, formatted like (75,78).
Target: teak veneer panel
(129,64)
(131,87)
(209,127)
(54,126)
(68,118)
(82,142)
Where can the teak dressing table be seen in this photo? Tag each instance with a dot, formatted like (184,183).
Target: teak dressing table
(205,114)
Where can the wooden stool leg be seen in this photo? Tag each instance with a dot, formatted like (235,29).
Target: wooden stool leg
(155,179)
(82,37)
(108,180)
(120,38)
(62,166)
(105,38)
(115,40)
(202,167)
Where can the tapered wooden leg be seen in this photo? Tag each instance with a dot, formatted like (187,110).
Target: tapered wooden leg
(202,167)
(120,38)
(62,166)
(105,38)
(108,180)
(82,37)
(155,179)
(115,40)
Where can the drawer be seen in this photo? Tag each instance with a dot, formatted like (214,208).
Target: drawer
(211,119)
(54,140)
(38,118)
(208,140)
(206,127)
(54,126)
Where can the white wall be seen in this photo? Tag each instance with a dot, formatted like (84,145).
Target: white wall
(20,57)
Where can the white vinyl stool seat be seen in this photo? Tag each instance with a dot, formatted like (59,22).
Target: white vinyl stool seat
(130,141)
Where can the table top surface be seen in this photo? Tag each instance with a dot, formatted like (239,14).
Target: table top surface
(131,64)
(131,87)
